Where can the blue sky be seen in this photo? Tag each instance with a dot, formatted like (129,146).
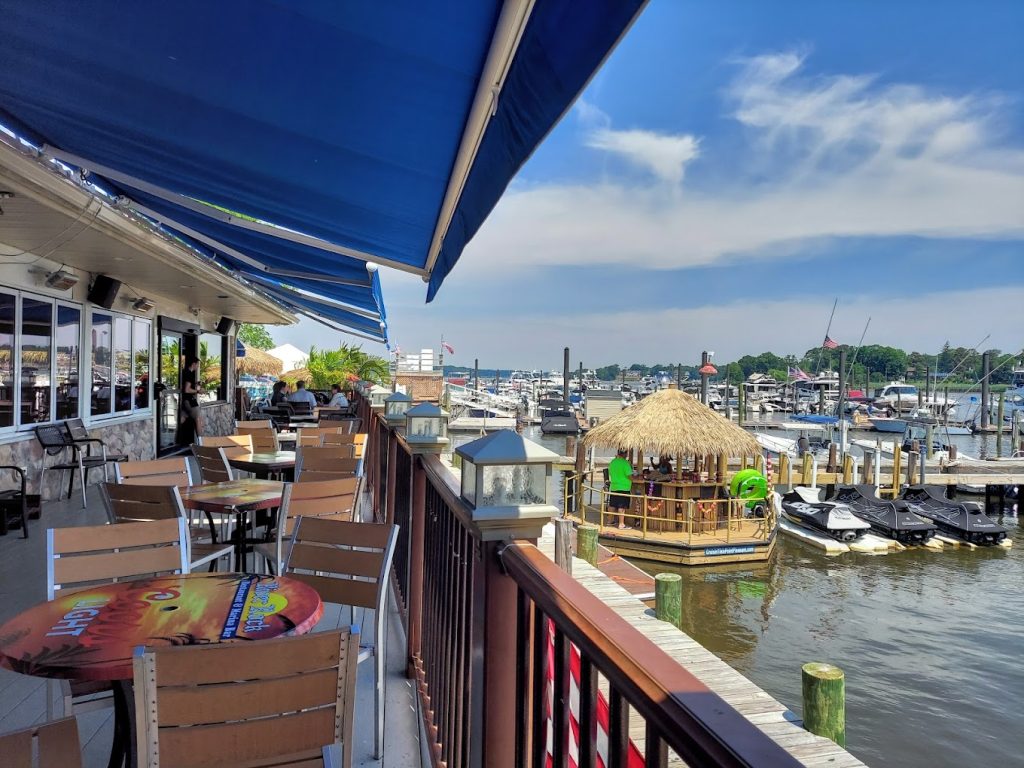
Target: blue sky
(733,168)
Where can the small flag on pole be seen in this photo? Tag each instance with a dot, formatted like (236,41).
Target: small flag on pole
(829,343)
(448,347)
(798,374)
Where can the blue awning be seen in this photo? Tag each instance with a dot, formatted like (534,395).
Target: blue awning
(379,132)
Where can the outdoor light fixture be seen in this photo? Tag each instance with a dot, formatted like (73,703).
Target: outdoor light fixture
(142,304)
(61,280)
(426,427)
(505,480)
(378,396)
(395,406)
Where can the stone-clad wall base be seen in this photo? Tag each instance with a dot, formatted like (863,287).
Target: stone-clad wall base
(134,438)
(218,420)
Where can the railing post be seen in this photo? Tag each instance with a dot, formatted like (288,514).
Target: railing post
(389,513)
(501,600)
(417,521)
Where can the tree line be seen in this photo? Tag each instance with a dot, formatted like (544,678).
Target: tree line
(953,365)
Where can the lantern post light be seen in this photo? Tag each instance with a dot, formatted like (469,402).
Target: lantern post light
(505,481)
(426,428)
(395,406)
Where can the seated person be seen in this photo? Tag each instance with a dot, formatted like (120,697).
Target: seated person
(302,395)
(664,465)
(338,399)
(279,393)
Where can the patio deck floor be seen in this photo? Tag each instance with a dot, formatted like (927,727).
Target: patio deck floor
(23,698)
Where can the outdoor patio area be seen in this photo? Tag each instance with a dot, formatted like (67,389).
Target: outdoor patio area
(23,697)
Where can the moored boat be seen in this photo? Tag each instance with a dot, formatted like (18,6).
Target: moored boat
(891,519)
(963,519)
(804,507)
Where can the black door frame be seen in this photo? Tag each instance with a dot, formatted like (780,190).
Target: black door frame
(189,335)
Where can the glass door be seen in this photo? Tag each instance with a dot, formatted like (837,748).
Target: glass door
(168,390)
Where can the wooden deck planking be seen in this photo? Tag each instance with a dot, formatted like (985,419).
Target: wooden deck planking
(759,707)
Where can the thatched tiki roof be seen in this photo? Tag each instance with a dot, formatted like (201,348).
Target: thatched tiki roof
(257,362)
(673,423)
(297,374)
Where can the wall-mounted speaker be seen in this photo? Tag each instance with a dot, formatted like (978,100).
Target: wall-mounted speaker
(227,326)
(104,290)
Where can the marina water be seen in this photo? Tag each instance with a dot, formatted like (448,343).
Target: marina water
(931,642)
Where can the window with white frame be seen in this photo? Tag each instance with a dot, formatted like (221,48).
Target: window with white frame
(120,359)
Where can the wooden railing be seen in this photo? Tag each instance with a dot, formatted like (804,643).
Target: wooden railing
(478,606)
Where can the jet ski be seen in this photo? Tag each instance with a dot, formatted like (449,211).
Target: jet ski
(891,519)
(962,519)
(803,507)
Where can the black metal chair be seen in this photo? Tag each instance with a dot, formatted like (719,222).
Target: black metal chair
(56,441)
(14,504)
(81,436)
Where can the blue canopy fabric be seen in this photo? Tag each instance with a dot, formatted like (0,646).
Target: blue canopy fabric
(338,120)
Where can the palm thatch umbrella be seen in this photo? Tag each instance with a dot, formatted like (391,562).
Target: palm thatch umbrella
(296,374)
(257,363)
(672,423)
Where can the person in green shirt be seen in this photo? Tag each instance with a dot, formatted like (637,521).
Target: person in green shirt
(620,483)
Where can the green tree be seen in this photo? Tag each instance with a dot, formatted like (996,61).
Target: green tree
(256,336)
(333,366)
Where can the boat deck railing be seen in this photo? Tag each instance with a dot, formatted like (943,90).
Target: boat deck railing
(656,516)
(498,637)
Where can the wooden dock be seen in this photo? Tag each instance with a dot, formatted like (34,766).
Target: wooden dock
(760,708)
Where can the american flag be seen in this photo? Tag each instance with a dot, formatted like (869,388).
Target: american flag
(829,343)
(798,374)
(448,347)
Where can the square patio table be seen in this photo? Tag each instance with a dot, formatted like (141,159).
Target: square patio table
(238,498)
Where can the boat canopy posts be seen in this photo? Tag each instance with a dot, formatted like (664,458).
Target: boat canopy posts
(497,634)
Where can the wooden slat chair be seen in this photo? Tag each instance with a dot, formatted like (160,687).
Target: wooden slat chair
(326,463)
(127,503)
(309,436)
(349,564)
(282,702)
(213,463)
(335,499)
(264,437)
(174,471)
(356,441)
(56,745)
(103,554)
(255,424)
(230,442)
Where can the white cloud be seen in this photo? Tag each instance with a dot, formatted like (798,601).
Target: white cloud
(750,325)
(663,155)
(830,156)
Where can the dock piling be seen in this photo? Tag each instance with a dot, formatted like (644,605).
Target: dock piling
(586,543)
(824,700)
(986,402)
(668,598)
(563,545)
(1000,415)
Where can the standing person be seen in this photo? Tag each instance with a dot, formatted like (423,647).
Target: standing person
(620,483)
(302,395)
(190,422)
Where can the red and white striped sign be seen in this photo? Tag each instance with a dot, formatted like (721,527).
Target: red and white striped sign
(634,760)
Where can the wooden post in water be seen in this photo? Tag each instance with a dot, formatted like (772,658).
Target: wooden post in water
(929,435)
(824,700)
(848,477)
(586,543)
(927,383)
(869,465)
(986,402)
(833,449)
(897,461)
(1000,415)
(563,544)
(565,374)
(805,469)
(668,598)
(728,407)
(912,466)
(784,466)
(704,379)
(741,404)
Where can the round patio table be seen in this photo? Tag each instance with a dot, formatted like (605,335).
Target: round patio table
(90,634)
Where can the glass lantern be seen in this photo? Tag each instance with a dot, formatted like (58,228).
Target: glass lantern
(505,480)
(395,406)
(378,396)
(426,424)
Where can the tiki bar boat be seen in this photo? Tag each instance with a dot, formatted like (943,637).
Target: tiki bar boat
(170,170)
(711,506)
